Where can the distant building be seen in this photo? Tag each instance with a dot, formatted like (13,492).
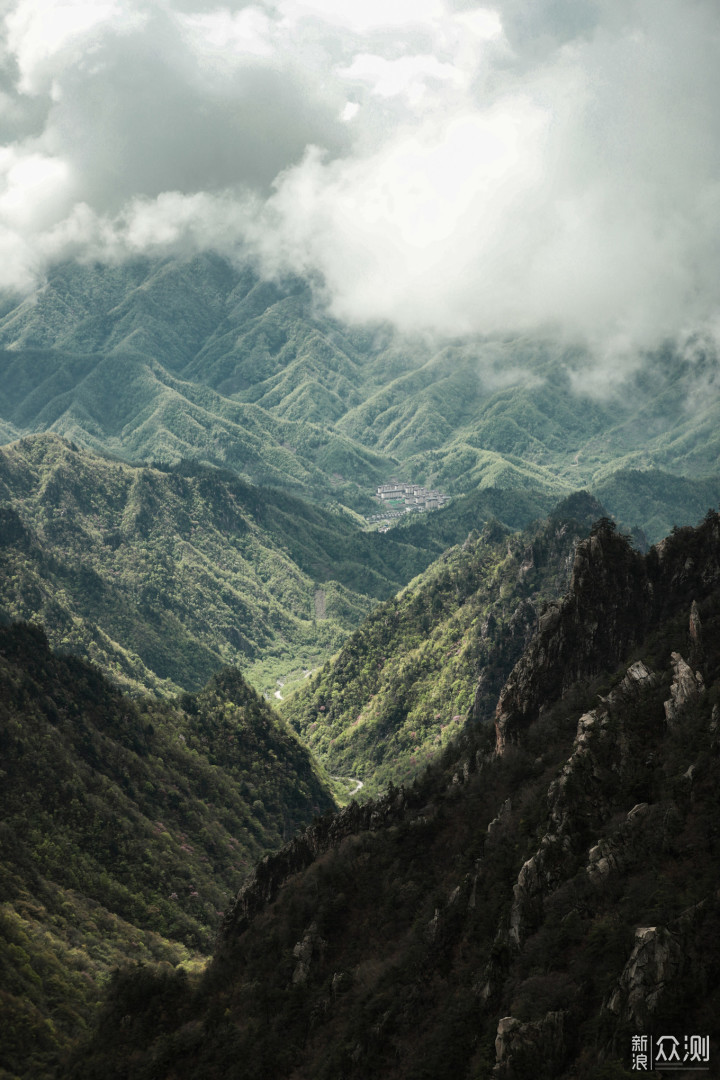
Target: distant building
(406,499)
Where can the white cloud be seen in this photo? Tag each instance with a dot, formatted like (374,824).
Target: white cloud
(365,17)
(34,187)
(532,164)
(406,75)
(349,111)
(224,35)
(41,32)
(390,232)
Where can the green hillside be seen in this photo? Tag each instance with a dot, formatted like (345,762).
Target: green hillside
(147,360)
(523,910)
(657,498)
(175,359)
(164,575)
(404,683)
(127,827)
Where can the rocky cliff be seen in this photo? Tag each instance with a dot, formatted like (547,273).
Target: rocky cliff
(542,895)
(615,596)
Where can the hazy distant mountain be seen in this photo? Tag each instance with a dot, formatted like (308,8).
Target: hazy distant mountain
(168,359)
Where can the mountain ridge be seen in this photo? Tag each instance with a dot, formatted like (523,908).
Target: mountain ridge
(510,914)
(126,824)
(172,359)
(405,681)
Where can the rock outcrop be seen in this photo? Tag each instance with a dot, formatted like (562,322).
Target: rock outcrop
(653,964)
(686,687)
(306,950)
(665,963)
(539,1045)
(582,792)
(605,612)
(615,596)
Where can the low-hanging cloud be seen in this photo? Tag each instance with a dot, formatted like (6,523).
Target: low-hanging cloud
(527,166)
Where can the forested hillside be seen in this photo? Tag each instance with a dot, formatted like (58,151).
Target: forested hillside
(170,359)
(162,576)
(127,826)
(405,682)
(541,895)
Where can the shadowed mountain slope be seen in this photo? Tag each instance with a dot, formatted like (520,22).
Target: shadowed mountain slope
(126,825)
(518,914)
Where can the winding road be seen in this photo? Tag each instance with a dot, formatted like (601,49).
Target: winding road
(350,780)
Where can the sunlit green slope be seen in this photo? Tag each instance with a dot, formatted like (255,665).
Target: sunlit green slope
(164,576)
(404,683)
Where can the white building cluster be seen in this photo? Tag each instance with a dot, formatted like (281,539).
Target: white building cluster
(405,498)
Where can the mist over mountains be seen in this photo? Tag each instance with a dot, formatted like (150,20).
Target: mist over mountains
(443,166)
(166,360)
(359,571)
(188,501)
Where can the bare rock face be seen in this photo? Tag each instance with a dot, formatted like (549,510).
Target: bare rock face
(654,962)
(578,791)
(606,611)
(304,952)
(695,625)
(643,829)
(665,961)
(519,1045)
(538,876)
(686,687)
(496,824)
(715,720)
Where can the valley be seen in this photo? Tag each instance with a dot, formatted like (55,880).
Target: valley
(359,540)
(509,913)
(170,360)
(259,719)
(404,684)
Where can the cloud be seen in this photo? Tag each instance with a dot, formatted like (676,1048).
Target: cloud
(579,193)
(143,100)
(531,166)
(366,17)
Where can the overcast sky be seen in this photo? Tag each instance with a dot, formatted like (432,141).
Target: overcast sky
(530,164)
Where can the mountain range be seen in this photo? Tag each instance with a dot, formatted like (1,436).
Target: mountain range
(545,892)
(162,360)
(291,781)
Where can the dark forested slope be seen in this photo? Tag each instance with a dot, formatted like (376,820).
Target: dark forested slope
(521,912)
(126,827)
